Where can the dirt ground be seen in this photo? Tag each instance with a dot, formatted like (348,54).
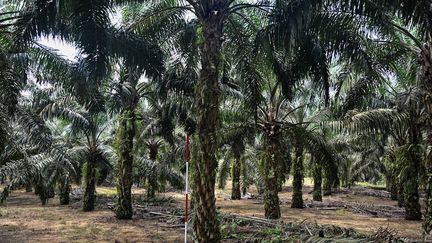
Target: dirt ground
(339,217)
(23,219)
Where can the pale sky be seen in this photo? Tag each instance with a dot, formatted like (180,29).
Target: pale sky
(67,50)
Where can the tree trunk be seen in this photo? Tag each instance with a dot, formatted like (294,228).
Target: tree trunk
(89,199)
(125,137)
(411,183)
(400,196)
(297,196)
(272,170)
(42,192)
(246,183)
(427,222)
(426,64)
(64,189)
(327,188)
(235,174)
(412,205)
(152,180)
(29,187)
(317,177)
(207,91)
(393,187)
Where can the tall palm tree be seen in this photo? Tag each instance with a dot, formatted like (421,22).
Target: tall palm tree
(128,92)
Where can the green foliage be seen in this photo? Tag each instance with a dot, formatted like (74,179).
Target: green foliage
(229,231)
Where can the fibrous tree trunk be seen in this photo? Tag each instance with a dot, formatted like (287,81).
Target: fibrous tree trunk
(235,174)
(400,194)
(297,196)
(411,182)
(317,178)
(393,183)
(152,183)
(272,170)
(211,15)
(237,149)
(246,182)
(125,138)
(42,193)
(64,189)
(89,199)
(426,64)
(327,187)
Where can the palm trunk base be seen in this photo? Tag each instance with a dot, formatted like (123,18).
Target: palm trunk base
(64,193)
(151,189)
(271,205)
(427,221)
(236,192)
(124,209)
(317,174)
(297,200)
(206,224)
(89,199)
(412,207)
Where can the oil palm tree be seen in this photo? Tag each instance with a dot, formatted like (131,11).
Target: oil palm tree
(126,96)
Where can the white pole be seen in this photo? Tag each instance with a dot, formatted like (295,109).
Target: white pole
(187,187)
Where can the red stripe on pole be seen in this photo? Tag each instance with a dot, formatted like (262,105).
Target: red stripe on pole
(186,216)
(187,147)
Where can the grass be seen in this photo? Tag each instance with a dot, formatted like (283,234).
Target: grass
(379,185)
(106,191)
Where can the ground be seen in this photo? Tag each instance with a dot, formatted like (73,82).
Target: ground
(23,219)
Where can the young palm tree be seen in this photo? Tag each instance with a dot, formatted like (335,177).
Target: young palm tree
(93,151)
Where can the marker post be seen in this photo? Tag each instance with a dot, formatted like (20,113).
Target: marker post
(187,187)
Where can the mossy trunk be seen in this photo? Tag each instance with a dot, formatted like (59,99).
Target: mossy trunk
(427,221)
(151,188)
(246,181)
(126,134)
(211,14)
(42,193)
(272,170)
(327,187)
(426,64)
(317,178)
(400,194)
(297,196)
(411,182)
(152,180)
(89,199)
(235,174)
(64,191)
(393,184)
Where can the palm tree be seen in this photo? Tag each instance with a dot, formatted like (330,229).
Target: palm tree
(128,93)
(408,154)
(237,132)
(93,151)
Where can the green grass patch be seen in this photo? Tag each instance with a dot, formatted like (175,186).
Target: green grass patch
(106,191)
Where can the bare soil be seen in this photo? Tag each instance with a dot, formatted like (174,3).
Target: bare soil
(23,219)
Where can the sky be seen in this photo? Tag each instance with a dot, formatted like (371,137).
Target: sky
(67,50)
